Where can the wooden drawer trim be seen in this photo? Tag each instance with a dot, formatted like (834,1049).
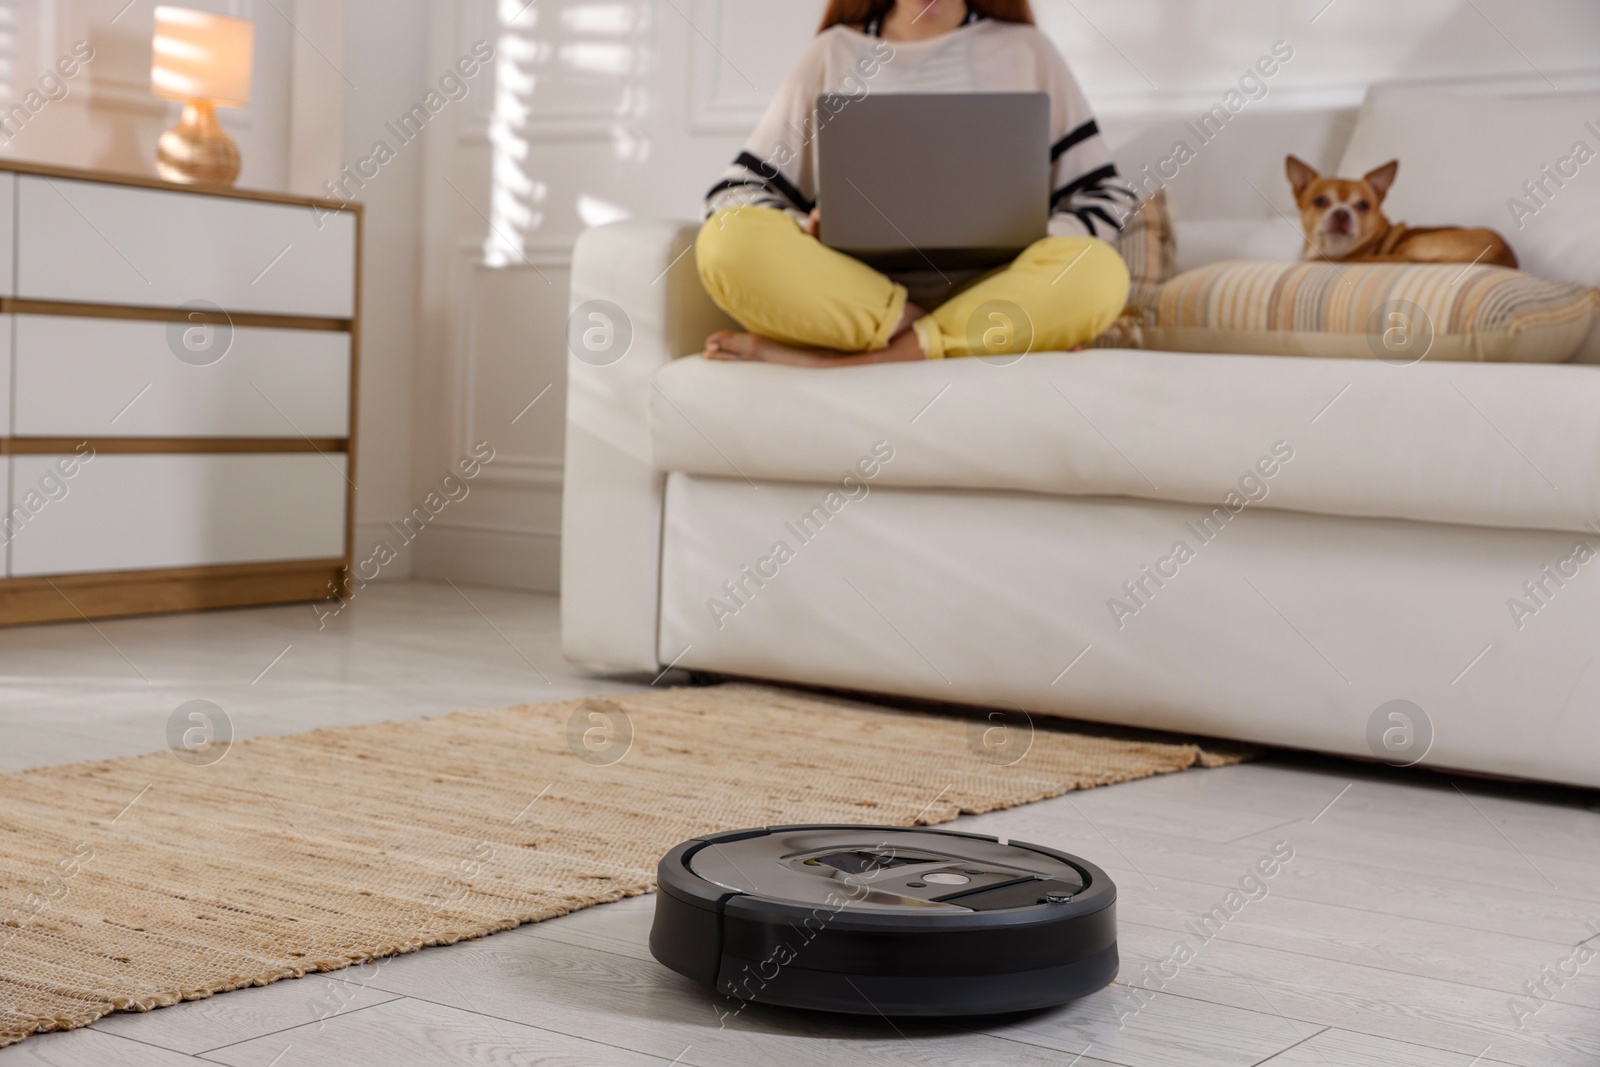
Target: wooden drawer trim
(114,594)
(13,306)
(62,446)
(74,597)
(140,181)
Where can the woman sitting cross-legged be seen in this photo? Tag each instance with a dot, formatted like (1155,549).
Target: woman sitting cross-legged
(808,305)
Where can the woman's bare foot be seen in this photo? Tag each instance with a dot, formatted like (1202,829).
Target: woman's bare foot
(753,348)
(727,344)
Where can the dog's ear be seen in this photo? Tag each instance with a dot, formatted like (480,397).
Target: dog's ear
(1301,175)
(1382,178)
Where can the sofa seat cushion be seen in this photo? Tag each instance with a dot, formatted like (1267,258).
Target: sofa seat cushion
(1509,445)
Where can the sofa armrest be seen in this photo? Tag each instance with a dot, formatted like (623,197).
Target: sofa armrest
(612,491)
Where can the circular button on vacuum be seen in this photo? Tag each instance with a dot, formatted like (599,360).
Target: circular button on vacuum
(946,878)
(830,918)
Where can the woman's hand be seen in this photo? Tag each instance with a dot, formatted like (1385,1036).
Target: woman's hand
(814,223)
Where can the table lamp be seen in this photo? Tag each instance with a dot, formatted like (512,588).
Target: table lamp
(203,60)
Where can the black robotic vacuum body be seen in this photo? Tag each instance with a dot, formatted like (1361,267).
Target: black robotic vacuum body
(885,920)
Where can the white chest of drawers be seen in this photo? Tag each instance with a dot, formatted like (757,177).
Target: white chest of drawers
(177,386)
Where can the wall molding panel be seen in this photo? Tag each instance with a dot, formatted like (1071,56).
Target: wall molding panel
(727,94)
(637,105)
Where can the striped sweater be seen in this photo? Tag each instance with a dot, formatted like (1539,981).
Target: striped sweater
(777,167)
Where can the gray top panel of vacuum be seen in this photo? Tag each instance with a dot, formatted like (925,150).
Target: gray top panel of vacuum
(883,870)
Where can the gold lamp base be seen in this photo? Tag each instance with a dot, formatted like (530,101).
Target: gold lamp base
(197,151)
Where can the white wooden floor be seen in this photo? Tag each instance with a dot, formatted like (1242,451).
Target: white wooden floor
(1413,915)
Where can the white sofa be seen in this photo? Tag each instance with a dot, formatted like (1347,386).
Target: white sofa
(1405,509)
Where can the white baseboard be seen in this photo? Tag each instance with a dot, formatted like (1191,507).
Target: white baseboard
(369,534)
(514,559)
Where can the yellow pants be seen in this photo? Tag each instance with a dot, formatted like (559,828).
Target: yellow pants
(764,270)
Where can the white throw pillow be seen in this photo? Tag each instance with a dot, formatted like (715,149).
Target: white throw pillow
(1465,161)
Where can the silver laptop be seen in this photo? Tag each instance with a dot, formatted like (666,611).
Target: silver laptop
(913,181)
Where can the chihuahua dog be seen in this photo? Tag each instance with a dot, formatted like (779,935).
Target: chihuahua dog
(1344,222)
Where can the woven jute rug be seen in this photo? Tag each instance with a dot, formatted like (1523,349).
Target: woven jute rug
(135,883)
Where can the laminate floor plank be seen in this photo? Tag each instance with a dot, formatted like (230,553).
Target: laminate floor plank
(1490,858)
(1342,1048)
(1433,1012)
(1412,915)
(583,990)
(200,1025)
(412,1033)
(90,1048)
(1347,874)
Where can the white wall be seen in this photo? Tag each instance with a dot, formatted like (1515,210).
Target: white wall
(597,109)
(385,47)
(109,120)
(327,75)
(611,108)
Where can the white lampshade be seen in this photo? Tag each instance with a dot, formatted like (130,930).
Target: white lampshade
(196,55)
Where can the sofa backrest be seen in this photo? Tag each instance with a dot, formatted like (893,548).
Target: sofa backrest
(1526,166)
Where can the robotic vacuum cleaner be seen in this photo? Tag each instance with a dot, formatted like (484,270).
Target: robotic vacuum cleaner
(883,919)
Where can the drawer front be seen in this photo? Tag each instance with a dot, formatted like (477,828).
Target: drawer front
(133,512)
(83,377)
(8,193)
(5,376)
(88,242)
(8,521)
